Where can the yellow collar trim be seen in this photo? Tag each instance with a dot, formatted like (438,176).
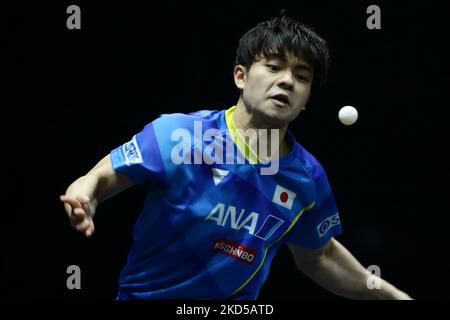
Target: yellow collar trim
(240,142)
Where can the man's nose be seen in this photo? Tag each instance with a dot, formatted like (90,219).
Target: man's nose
(286,81)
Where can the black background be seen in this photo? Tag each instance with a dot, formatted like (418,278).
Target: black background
(80,93)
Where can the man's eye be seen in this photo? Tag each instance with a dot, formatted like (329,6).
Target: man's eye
(273,67)
(301,77)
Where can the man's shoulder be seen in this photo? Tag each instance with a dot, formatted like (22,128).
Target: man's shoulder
(308,160)
(205,114)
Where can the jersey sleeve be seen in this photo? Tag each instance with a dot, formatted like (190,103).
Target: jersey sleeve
(318,225)
(146,156)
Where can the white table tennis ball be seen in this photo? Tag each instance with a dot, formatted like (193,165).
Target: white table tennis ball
(348,115)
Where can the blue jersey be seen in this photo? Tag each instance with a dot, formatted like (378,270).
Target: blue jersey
(210,230)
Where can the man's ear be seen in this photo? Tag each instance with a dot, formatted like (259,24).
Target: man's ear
(240,75)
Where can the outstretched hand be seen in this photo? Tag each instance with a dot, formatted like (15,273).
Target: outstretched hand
(80,210)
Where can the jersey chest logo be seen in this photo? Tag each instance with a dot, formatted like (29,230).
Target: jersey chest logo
(227,216)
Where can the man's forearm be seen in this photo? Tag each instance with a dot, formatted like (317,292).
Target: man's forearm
(100,183)
(339,272)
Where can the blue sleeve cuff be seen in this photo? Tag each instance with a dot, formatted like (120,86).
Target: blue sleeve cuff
(119,164)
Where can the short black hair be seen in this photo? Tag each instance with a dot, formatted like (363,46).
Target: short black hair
(279,36)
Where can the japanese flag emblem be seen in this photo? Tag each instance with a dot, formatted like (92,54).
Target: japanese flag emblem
(284,197)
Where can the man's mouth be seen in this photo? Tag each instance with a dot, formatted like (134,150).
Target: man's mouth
(281,98)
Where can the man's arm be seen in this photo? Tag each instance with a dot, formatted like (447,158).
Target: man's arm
(334,268)
(83,195)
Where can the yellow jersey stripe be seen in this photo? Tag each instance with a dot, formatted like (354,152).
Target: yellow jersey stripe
(309,207)
(245,149)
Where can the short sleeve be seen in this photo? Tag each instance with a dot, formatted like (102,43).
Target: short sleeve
(141,159)
(318,225)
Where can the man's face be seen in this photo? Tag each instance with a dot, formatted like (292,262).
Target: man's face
(276,90)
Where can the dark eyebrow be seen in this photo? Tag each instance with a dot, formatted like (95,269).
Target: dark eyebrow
(297,67)
(303,66)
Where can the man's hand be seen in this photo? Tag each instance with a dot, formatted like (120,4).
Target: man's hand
(85,193)
(80,210)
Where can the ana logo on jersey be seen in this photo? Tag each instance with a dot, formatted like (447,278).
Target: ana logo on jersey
(327,224)
(284,197)
(131,152)
(226,216)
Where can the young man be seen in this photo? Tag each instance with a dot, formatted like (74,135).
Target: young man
(210,227)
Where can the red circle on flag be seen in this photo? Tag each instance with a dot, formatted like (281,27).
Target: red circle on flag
(284,196)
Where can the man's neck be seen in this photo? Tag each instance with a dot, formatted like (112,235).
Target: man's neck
(244,120)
